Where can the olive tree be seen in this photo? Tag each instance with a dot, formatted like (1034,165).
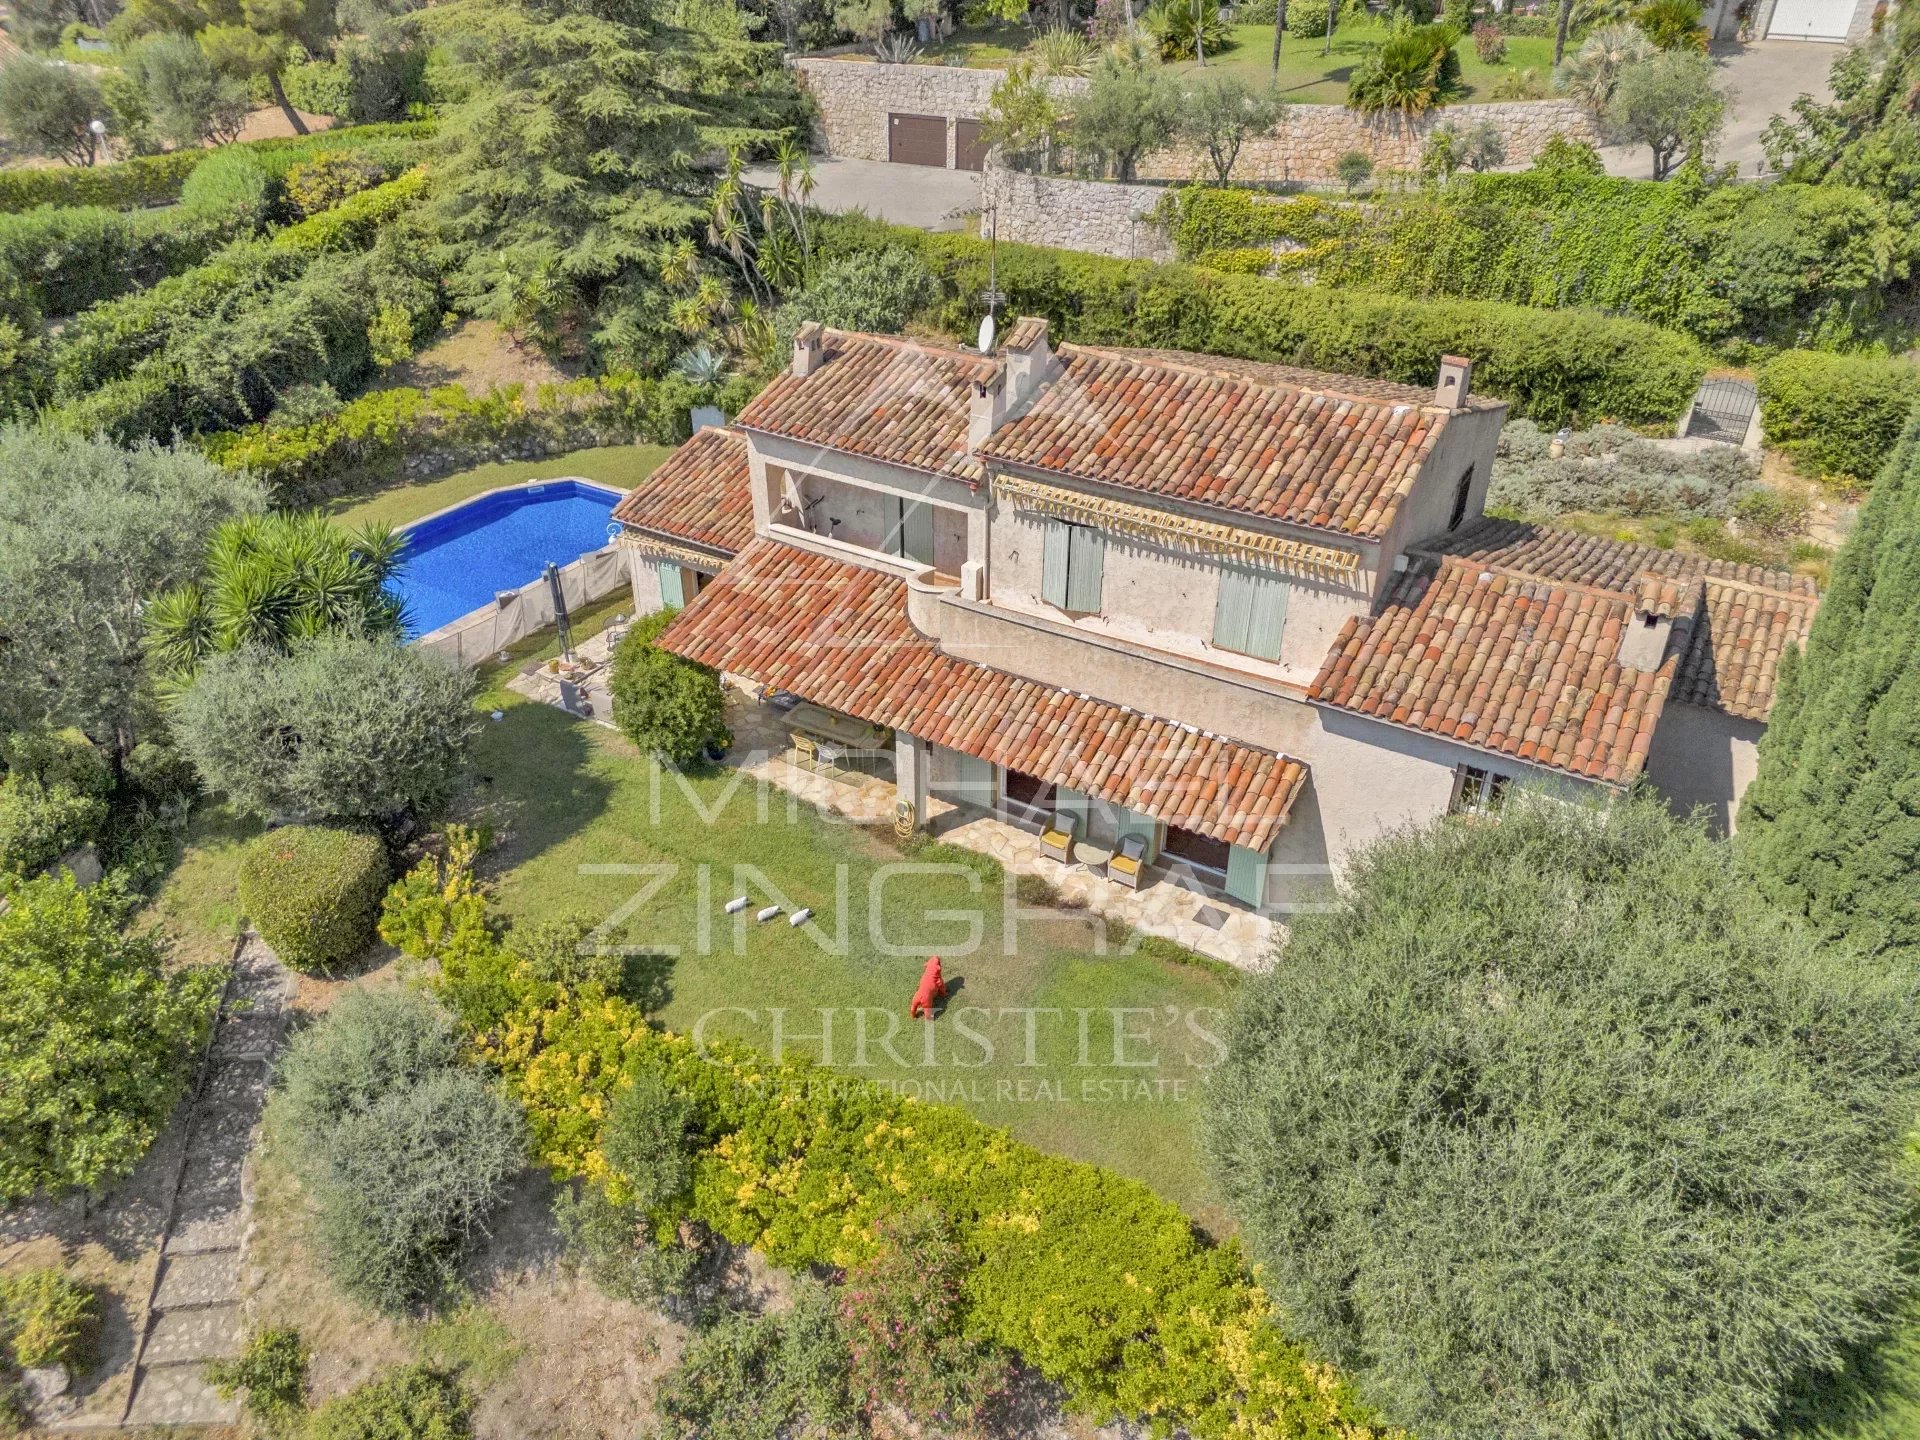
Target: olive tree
(1551,1127)
(1670,103)
(48,108)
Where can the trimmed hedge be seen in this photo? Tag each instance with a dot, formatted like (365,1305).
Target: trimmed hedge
(157,179)
(1554,365)
(1837,415)
(313,892)
(1101,1286)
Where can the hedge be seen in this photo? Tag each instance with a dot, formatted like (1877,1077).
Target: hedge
(45,1319)
(1837,415)
(313,892)
(157,179)
(1554,365)
(1102,1286)
(367,438)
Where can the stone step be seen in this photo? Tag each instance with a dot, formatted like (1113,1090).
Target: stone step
(207,1278)
(212,1332)
(177,1395)
(211,1219)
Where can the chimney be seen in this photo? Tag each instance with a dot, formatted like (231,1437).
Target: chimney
(987,407)
(1029,359)
(1661,618)
(1456,376)
(806,348)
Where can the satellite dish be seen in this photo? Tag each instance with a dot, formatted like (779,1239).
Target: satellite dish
(986,333)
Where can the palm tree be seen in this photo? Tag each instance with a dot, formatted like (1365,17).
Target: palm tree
(1589,77)
(274,580)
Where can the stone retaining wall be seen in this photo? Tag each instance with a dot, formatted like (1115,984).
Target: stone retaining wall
(856,96)
(1096,216)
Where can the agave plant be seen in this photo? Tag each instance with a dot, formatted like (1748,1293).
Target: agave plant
(896,48)
(703,365)
(1060,51)
(1594,69)
(274,580)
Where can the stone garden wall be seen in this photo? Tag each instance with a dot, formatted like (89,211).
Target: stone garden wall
(855,97)
(1097,216)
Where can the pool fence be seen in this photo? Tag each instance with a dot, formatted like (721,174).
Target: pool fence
(480,635)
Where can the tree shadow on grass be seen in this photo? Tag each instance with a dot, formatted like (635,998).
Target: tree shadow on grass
(1875,1395)
(531,785)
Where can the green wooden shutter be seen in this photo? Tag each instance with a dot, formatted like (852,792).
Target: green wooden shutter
(673,589)
(1269,617)
(1246,875)
(1053,568)
(916,532)
(1073,802)
(1132,823)
(1233,612)
(975,782)
(892,537)
(1087,549)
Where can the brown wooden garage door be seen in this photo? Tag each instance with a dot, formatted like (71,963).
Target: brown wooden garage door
(969,150)
(917,140)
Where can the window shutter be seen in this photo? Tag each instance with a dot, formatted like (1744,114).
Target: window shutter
(1053,570)
(1085,570)
(673,589)
(1247,875)
(1269,617)
(975,780)
(1133,822)
(1233,612)
(893,538)
(916,532)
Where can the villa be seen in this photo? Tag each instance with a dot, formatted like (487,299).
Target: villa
(1226,618)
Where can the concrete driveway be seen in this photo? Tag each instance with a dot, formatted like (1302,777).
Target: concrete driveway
(916,195)
(1766,77)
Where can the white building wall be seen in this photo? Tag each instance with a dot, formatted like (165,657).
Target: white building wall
(1704,758)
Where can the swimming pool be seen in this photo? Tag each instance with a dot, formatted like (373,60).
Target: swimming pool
(456,561)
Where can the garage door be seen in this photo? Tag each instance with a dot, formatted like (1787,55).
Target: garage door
(1810,19)
(969,150)
(917,140)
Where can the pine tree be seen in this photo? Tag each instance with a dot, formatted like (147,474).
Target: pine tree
(1831,823)
(578,156)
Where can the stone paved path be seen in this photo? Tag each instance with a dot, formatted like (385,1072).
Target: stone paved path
(195,1314)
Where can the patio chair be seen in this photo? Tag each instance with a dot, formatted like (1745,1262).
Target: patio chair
(1057,839)
(1127,863)
(806,750)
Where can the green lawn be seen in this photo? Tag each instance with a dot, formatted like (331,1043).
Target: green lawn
(621,466)
(1114,1063)
(1307,75)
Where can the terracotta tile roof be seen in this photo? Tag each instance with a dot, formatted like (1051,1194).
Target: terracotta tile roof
(1744,615)
(699,495)
(838,634)
(1327,382)
(1339,462)
(882,397)
(1517,665)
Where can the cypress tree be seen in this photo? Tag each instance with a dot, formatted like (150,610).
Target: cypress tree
(1831,824)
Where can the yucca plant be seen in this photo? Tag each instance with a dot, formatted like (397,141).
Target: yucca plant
(1060,51)
(274,580)
(896,48)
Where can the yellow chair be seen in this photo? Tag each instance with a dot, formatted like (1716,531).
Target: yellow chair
(1126,865)
(1057,839)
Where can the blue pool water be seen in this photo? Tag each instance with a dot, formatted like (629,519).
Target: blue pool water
(456,562)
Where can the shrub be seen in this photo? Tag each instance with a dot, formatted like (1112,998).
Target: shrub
(97,1032)
(363,731)
(329,178)
(1672,24)
(1175,23)
(45,1319)
(1354,169)
(646,1145)
(1826,827)
(625,1255)
(1836,415)
(1612,470)
(273,1371)
(404,1152)
(1411,72)
(53,797)
(760,1378)
(1551,365)
(1100,1285)
(669,707)
(1774,514)
(313,893)
(903,1314)
(1489,43)
(1572,1044)
(415,1402)
(877,291)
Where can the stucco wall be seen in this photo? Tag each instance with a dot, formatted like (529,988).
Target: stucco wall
(1704,758)
(1164,598)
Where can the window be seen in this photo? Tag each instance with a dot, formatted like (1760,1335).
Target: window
(1071,567)
(1478,792)
(673,584)
(909,529)
(1461,494)
(1251,613)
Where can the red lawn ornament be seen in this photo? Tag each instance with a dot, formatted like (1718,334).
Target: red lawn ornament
(933,986)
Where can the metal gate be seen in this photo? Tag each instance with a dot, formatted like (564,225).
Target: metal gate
(1722,410)
(917,140)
